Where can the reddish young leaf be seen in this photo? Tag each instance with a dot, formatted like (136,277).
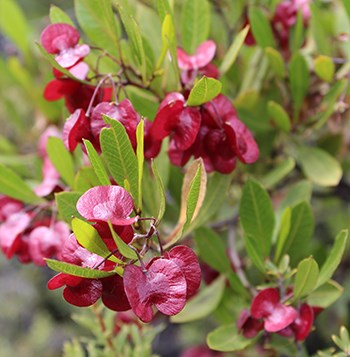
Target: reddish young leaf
(107,203)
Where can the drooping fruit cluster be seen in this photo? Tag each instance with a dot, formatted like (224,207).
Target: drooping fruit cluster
(166,282)
(29,232)
(268,313)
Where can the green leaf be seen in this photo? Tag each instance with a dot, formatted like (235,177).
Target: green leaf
(278,173)
(346,5)
(232,52)
(97,164)
(76,270)
(297,33)
(13,186)
(257,217)
(99,22)
(300,191)
(301,229)
(85,179)
(57,15)
(89,238)
(134,35)
(226,338)
(324,67)
(261,28)
(66,204)
(14,24)
(61,159)
(124,249)
(195,23)
(277,64)
(319,166)
(192,196)
(203,303)
(306,278)
(279,116)
(283,233)
(215,195)
(140,130)
(161,192)
(212,251)
(334,258)
(299,79)
(203,91)
(325,295)
(120,155)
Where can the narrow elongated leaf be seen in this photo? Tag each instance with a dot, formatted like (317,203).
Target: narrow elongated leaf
(140,130)
(88,237)
(283,232)
(98,21)
(195,23)
(66,204)
(277,63)
(301,229)
(297,33)
(13,186)
(97,164)
(346,5)
(226,338)
(123,248)
(324,67)
(192,196)
(161,192)
(257,217)
(279,116)
(278,173)
(85,179)
(299,78)
(306,278)
(164,8)
(121,158)
(232,52)
(134,35)
(203,303)
(261,28)
(334,258)
(61,159)
(76,270)
(57,15)
(319,166)
(325,294)
(203,91)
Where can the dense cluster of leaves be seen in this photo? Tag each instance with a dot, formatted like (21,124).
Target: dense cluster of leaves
(219,125)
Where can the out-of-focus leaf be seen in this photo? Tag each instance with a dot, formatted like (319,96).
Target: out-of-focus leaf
(97,164)
(195,23)
(301,191)
(277,63)
(85,179)
(203,303)
(261,28)
(334,258)
(140,159)
(226,338)
(283,233)
(192,197)
(203,91)
(299,79)
(13,186)
(346,5)
(77,270)
(306,278)
(232,52)
(161,191)
(319,166)
(66,204)
(324,67)
(257,217)
(13,23)
(164,8)
(325,295)
(98,21)
(61,159)
(57,15)
(279,116)
(278,173)
(121,158)
(296,37)
(88,237)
